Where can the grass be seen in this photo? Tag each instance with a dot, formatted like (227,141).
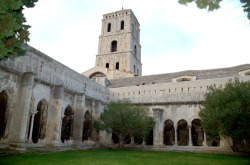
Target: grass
(110,157)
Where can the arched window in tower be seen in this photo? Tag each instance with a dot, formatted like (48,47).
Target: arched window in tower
(133,28)
(113,46)
(122,25)
(135,50)
(117,65)
(134,69)
(109,27)
(107,65)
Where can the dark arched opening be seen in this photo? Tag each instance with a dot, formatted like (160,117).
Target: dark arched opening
(3,113)
(182,133)
(138,140)
(150,138)
(40,122)
(109,27)
(169,132)
(67,122)
(127,139)
(117,65)
(87,126)
(107,65)
(197,133)
(115,138)
(113,46)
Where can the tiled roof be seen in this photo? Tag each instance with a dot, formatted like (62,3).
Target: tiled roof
(164,78)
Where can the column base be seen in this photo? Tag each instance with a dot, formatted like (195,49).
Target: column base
(17,146)
(204,144)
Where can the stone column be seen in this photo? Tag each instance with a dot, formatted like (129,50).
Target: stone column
(78,119)
(175,135)
(205,140)
(31,126)
(54,116)
(226,143)
(103,135)
(19,125)
(189,135)
(158,130)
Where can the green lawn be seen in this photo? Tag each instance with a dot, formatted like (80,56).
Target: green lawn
(109,157)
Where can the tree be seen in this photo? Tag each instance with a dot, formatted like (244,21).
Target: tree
(125,119)
(226,111)
(215,4)
(13,32)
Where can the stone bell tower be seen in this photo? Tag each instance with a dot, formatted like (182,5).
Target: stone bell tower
(119,44)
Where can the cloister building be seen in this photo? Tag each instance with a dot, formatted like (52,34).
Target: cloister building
(46,104)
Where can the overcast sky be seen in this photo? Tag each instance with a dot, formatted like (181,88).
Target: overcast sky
(173,37)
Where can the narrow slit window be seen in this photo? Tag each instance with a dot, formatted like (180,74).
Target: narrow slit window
(109,27)
(135,50)
(122,25)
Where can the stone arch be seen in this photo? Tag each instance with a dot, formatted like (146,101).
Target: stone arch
(197,134)
(169,134)
(87,126)
(40,121)
(94,76)
(3,113)
(8,111)
(182,132)
(67,124)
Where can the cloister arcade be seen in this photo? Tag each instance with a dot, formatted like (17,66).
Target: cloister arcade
(180,133)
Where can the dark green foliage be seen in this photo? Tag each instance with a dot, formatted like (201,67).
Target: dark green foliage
(246,7)
(226,111)
(215,4)
(13,32)
(123,118)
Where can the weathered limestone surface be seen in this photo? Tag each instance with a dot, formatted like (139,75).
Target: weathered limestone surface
(55,115)
(17,133)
